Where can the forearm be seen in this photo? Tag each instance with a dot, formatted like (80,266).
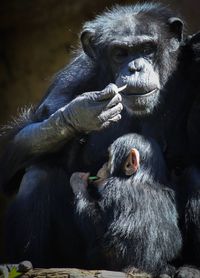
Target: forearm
(46,136)
(88,112)
(30,143)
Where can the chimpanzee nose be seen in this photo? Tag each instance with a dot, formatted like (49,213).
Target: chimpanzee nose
(136,65)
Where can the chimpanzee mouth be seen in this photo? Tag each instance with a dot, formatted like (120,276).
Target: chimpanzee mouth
(142,94)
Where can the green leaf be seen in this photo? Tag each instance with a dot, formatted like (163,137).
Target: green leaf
(14,273)
(93,178)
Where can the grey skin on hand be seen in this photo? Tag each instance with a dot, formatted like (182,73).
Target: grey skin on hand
(79,182)
(88,112)
(94,110)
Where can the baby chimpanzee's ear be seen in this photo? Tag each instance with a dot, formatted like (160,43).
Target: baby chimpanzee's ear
(132,162)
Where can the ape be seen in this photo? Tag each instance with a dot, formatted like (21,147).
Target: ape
(136,47)
(188,196)
(128,216)
(53,240)
(142,56)
(191,48)
(189,184)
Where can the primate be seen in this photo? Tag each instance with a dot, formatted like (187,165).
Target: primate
(188,189)
(188,193)
(128,76)
(128,216)
(144,58)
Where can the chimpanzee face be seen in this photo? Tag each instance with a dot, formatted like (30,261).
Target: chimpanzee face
(137,50)
(133,62)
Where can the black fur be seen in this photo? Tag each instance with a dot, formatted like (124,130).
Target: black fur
(189,180)
(163,116)
(133,223)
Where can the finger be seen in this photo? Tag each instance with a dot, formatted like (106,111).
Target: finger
(114,101)
(109,92)
(73,179)
(80,175)
(122,88)
(115,119)
(112,120)
(112,112)
(84,176)
(75,174)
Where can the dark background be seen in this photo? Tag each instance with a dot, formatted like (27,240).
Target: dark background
(37,36)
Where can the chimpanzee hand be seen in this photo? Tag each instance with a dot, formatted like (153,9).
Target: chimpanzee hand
(88,112)
(94,110)
(79,182)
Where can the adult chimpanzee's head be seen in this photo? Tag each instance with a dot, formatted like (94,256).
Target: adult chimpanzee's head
(135,45)
(136,156)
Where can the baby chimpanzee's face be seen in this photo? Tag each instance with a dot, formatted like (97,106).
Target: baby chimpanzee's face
(129,166)
(104,171)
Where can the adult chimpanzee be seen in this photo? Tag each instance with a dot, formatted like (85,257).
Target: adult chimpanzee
(128,216)
(137,46)
(189,183)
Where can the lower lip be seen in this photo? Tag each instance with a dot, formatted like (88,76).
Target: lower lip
(141,95)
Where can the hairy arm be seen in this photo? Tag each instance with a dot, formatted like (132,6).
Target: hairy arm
(65,112)
(88,211)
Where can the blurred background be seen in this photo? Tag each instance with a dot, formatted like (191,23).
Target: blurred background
(36,38)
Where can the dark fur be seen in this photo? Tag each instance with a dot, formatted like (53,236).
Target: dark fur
(133,224)
(189,183)
(166,123)
(40,221)
(188,193)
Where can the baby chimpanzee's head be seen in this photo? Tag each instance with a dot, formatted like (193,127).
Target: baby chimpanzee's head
(134,155)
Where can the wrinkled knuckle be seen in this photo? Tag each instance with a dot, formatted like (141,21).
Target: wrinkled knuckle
(112,88)
(101,119)
(120,107)
(84,95)
(81,97)
(118,97)
(117,118)
(105,125)
(88,96)
(94,96)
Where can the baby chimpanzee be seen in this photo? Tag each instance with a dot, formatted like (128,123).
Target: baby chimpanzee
(128,216)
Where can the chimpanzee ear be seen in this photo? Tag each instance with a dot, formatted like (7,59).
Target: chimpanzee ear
(87,43)
(176,27)
(195,38)
(132,162)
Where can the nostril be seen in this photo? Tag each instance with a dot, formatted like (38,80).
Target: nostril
(139,68)
(131,69)
(134,67)
(131,66)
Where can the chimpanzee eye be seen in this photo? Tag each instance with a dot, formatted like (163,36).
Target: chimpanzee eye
(119,54)
(148,49)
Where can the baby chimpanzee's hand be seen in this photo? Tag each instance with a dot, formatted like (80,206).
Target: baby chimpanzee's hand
(79,182)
